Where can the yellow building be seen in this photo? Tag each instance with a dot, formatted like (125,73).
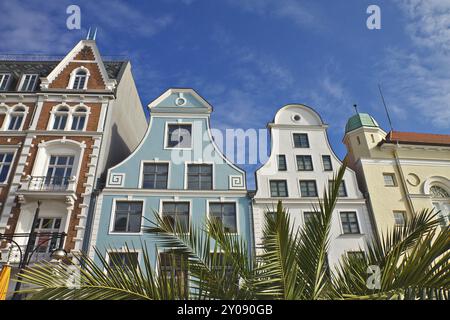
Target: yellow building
(400,173)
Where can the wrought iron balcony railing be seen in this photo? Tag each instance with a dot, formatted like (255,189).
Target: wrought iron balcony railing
(48,183)
(13,246)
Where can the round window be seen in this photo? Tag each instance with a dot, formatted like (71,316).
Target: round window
(180,101)
(296,117)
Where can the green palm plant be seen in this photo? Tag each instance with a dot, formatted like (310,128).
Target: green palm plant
(290,264)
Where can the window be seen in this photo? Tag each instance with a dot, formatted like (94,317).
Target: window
(304,163)
(60,119)
(177,215)
(47,230)
(327,165)
(226,214)
(342,189)
(179,136)
(308,188)
(438,192)
(123,260)
(155,175)
(223,267)
(301,140)
(29,82)
(5,165)
(349,222)
(79,82)
(399,218)
(128,216)
(282,162)
(308,216)
(389,179)
(278,188)
(59,170)
(16,118)
(270,215)
(175,266)
(444,212)
(358,139)
(4,81)
(79,119)
(199,177)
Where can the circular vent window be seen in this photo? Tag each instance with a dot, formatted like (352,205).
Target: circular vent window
(180,101)
(296,117)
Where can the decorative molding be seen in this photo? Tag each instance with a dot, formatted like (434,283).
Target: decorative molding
(116,179)
(236,182)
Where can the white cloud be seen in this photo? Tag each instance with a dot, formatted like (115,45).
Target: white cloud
(36,26)
(418,81)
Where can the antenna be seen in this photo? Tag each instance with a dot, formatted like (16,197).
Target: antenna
(385,107)
(91,35)
(88,34)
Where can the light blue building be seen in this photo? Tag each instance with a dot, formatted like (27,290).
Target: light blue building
(178,172)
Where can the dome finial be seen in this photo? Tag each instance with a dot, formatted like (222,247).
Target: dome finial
(356,108)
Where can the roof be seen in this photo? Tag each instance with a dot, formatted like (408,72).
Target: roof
(43,68)
(360,120)
(418,138)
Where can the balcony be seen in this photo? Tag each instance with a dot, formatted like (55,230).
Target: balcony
(45,187)
(42,245)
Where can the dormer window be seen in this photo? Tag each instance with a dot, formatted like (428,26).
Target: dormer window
(61,117)
(79,79)
(79,119)
(16,118)
(28,82)
(4,81)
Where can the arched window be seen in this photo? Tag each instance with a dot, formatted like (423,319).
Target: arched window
(79,119)
(16,118)
(60,118)
(438,192)
(439,198)
(80,80)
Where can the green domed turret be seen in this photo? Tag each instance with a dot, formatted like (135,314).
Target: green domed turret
(360,120)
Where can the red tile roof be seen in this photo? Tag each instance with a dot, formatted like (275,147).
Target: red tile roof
(418,138)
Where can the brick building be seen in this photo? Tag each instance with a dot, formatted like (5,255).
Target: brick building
(63,122)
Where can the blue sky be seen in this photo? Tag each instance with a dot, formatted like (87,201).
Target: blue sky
(248,58)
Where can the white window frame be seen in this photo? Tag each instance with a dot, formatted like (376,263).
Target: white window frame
(141,172)
(11,112)
(213,184)
(394,179)
(176,199)
(358,220)
(166,135)
(34,83)
(113,217)
(3,82)
(57,147)
(76,113)
(403,213)
(72,111)
(73,75)
(293,141)
(13,151)
(270,190)
(122,250)
(223,201)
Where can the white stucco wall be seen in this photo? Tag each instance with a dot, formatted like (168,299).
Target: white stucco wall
(282,131)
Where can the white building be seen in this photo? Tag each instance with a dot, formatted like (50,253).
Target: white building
(299,168)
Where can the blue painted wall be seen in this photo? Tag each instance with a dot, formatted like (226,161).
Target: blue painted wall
(123,181)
